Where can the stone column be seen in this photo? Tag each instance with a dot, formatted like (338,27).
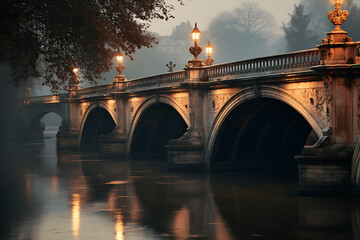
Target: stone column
(68,137)
(115,143)
(188,151)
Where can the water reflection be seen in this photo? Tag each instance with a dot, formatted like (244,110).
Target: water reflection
(75,215)
(119,226)
(74,195)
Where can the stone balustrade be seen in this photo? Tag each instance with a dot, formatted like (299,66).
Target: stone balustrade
(46,99)
(283,62)
(301,60)
(155,81)
(94,90)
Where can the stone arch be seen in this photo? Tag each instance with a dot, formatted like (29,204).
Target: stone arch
(35,120)
(148,103)
(89,110)
(249,94)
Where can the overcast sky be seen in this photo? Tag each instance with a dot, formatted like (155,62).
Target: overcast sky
(202,11)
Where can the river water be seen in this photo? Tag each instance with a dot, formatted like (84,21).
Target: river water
(50,194)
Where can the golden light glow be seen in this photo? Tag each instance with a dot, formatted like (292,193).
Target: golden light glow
(119,226)
(337,2)
(195,34)
(120,58)
(54,183)
(181,224)
(208,49)
(75,70)
(75,215)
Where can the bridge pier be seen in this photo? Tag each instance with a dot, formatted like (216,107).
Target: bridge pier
(318,175)
(113,144)
(188,151)
(67,139)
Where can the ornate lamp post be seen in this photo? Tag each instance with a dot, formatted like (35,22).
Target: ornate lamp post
(195,50)
(120,68)
(209,49)
(75,80)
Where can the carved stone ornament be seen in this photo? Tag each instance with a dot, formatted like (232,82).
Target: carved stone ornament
(328,96)
(196,50)
(358,102)
(209,61)
(256,88)
(338,16)
(315,100)
(120,68)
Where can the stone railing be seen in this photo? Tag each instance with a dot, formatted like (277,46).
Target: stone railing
(294,61)
(283,62)
(46,99)
(96,89)
(155,81)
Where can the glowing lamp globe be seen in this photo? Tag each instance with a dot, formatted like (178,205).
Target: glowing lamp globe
(337,2)
(120,59)
(75,70)
(208,49)
(195,34)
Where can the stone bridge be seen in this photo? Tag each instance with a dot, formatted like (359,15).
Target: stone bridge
(255,113)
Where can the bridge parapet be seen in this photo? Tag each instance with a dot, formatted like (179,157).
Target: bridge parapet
(94,90)
(46,99)
(300,60)
(155,81)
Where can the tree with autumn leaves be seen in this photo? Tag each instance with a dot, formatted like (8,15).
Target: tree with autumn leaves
(44,38)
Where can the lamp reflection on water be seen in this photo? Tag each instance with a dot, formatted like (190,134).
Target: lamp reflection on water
(54,183)
(75,215)
(119,226)
(28,188)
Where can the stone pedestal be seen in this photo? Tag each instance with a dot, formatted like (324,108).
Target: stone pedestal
(186,153)
(67,139)
(114,144)
(317,175)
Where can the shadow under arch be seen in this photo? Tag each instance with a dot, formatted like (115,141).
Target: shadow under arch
(98,120)
(157,120)
(252,128)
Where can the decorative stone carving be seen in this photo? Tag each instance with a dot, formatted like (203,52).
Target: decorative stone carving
(328,96)
(184,104)
(338,16)
(134,107)
(315,100)
(256,88)
(220,100)
(358,104)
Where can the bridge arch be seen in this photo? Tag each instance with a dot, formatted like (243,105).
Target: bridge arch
(98,119)
(158,103)
(35,126)
(246,95)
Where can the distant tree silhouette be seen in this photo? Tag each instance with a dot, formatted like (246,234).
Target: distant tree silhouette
(182,31)
(297,33)
(242,33)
